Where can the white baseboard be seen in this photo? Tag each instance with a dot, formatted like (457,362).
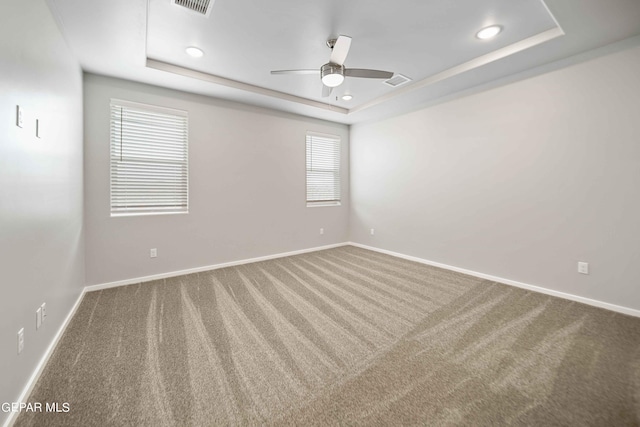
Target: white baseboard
(206,268)
(588,301)
(13,416)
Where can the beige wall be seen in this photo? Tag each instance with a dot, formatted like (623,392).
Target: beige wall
(41,235)
(519,182)
(246,188)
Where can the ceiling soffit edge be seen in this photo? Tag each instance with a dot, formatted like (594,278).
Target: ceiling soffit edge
(212,78)
(477,62)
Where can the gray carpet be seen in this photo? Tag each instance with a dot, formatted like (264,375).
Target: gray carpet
(340,337)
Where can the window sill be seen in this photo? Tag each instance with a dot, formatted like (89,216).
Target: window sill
(322,204)
(125,214)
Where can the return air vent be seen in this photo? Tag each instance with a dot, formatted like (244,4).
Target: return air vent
(397,80)
(201,7)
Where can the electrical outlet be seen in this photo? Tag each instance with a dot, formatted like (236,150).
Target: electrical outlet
(153,253)
(373,232)
(19,121)
(38,318)
(20,340)
(44,311)
(321,231)
(583,267)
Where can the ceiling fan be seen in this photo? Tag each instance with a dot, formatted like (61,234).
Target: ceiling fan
(333,72)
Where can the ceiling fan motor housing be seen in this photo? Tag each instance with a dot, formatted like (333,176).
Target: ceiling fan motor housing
(332,74)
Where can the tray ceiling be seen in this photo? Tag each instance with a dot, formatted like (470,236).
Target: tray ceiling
(432,42)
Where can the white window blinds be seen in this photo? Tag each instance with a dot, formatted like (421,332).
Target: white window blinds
(149,159)
(323,169)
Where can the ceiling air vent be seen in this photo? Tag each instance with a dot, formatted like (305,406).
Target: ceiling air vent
(201,7)
(397,80)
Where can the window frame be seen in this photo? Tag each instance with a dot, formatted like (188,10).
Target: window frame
(323,203)
(149,108)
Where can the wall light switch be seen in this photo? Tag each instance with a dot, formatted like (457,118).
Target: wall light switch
(321,231)
(153,253)
(19,121)
(38,132)
(20,340)
(373,232)
(38,318)
(44,310)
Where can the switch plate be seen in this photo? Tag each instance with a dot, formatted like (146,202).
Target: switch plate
(373,232)
(19,120)
(321,231)
(20,340)
(583,267)
(153,253)
(44,311)
(38,318)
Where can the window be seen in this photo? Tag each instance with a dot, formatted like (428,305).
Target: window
(149,161)
(323,169)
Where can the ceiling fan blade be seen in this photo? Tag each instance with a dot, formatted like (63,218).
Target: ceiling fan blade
(367,74)
(316,71)
(326,91)
(340,50)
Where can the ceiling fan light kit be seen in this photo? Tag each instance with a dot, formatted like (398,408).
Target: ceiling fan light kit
(332,75)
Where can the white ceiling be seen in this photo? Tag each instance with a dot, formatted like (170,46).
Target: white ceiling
(431,41)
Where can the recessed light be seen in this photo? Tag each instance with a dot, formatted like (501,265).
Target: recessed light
(489,32)
(347,97)
(194,52)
